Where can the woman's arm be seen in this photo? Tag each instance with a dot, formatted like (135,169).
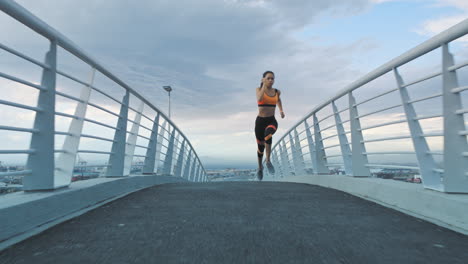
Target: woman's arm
(280,104)
(260,91)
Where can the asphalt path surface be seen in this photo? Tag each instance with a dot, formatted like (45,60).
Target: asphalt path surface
(241,222)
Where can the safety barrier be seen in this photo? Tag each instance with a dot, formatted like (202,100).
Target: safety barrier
(49,167)
(311,145)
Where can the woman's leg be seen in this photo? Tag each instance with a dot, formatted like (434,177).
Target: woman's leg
(259,134)
(268,152)
(260,166)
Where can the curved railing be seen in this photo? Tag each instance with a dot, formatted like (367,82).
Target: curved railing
(153,137)
(333,142)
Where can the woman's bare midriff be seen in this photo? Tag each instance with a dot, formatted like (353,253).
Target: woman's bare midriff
(266,111)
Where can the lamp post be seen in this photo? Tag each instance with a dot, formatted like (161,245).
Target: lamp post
(169,89)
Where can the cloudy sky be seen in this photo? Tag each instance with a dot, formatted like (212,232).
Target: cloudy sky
(213,52)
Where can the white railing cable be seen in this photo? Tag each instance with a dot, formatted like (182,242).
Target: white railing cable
(422,79)
(18,80)
(25,57)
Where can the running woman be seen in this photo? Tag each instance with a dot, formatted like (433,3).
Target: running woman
(266,124)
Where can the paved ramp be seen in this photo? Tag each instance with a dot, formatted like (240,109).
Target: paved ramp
(242,222)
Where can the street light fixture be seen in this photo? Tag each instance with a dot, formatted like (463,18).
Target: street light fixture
(169,89)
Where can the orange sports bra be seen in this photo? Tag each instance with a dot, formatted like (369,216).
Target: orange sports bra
(269,100)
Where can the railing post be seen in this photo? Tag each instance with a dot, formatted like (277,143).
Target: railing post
(192,170)
(66,160)
(359,159)
(276,161)
(285,159)
(344,145)
(313,154)
(455,144)
(187,166)
(430,178)
(162,131)
(117,157)
(131,141)
(169,153)
(150,159)
(293,153)
(41,162)
(197,178)
(180,160)
(320,152)
(299,154)
(175,153)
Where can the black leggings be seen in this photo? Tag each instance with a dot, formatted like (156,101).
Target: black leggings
(265,127)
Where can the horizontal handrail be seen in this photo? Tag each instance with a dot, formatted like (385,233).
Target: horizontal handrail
(423,79)
(33,108)
(27,151)
(389,153)
(59,72)
(19,129)
(23,56)
(385,138)
(427,117)
(94,151)
(425,98)
(458,66)
(15,173)
(18,80)
(459,89)
(384,124)
(96,137)
(377,96)
(392,166)
(380,110)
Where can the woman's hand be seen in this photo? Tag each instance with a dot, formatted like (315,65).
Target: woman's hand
(282,114)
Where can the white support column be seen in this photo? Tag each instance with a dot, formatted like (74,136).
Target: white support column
(320,152)
(344,145)
(41,162)
(169,154)
(274,155)
(430,178)
(300,158)
(187,166)
(162,131)
(294,154)
(200,173)
(131,140)
(455,146)
(312,148)
(180,160)
(150,159)
(66,160)
(175,154)
(197,178)
(359,159)
(117,158)
(285,159)
(192,170)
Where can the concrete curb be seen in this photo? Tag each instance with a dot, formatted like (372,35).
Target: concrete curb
(446,210)
(23,215)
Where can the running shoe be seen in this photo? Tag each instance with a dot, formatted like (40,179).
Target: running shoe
(270,167)
(260,174)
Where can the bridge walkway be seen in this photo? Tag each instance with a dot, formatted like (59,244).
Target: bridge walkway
(241,222)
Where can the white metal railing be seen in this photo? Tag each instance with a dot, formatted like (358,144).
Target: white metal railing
(43,170)
(451,178)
